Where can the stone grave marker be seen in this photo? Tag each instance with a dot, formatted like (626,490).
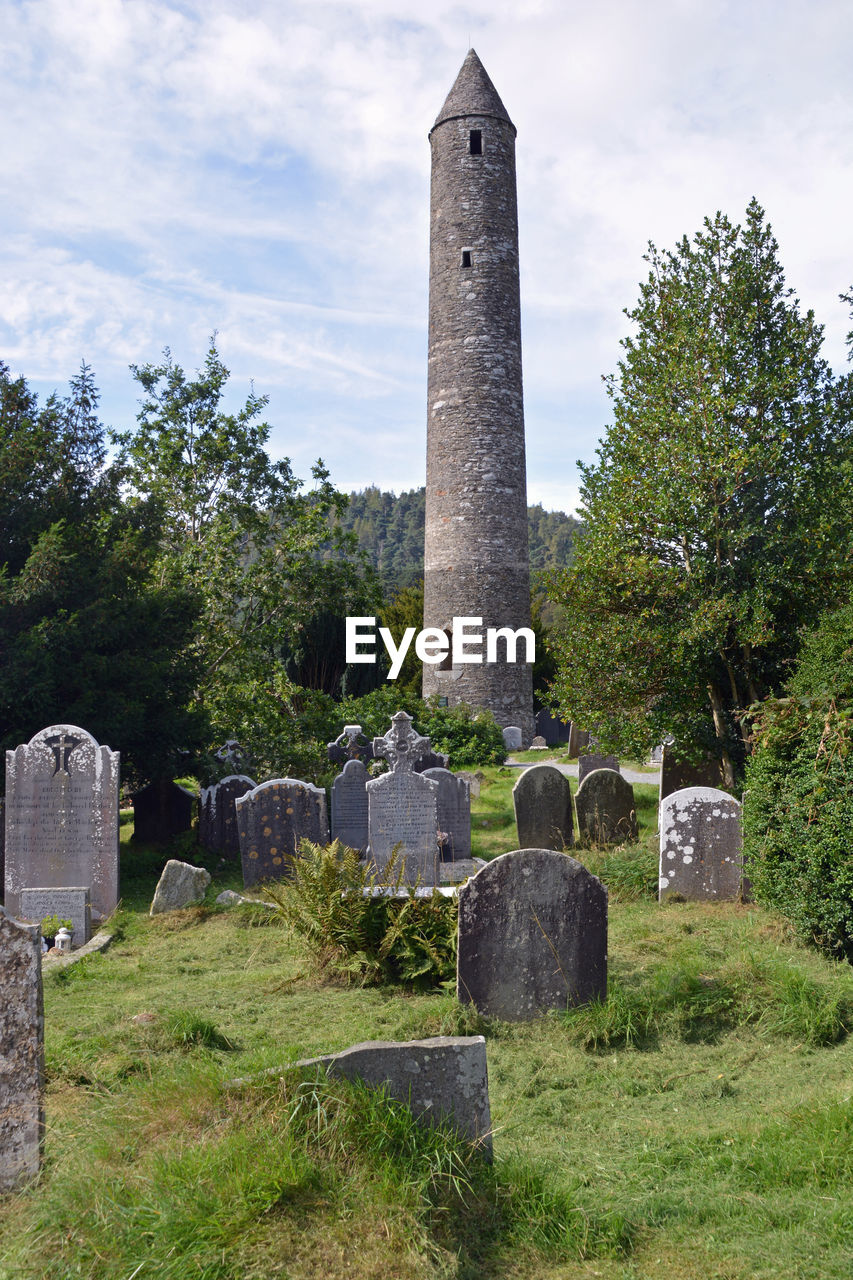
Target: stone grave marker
(161,811)
(554,731)
(68,904)
(2,845)
(350,745)
(403,806)
(180,885)
(542,799)
(442,1078)
(430,759)
(590,762)
(21,1053)
(605,805)
(532,935)
(217,815)
(512,737)
(272,820)
(454,815)
(578,740)
(676,775)
(474,778)
(349,806)
(701,846)
(62,817)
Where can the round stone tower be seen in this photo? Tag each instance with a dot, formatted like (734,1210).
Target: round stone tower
(476,562)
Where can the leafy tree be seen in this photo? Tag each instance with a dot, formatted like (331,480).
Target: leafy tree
(718,516)
(86,636)
(242,534)
(798,811)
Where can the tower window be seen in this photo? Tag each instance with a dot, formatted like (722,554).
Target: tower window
(475,142)
(466,258)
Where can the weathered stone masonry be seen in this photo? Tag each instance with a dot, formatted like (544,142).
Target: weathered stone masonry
(476,554)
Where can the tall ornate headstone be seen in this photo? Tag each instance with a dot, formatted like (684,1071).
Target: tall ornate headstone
(350,745)
(701,846)
(532,935)
(217,816)
(454,814)
(542,799)
(403,806)
(349,806)
(605,805)
(21,1053)
(272,821)
(62,816)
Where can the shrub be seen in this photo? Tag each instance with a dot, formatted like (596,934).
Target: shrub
(359,933)
(467,736)
(798,811)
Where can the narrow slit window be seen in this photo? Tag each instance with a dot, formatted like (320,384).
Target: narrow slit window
(466,257)
(475,142)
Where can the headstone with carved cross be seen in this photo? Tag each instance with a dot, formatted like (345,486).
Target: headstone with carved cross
(350,745)
(403,806)
(62,817)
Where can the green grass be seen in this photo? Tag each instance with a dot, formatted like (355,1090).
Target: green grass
(695,1125)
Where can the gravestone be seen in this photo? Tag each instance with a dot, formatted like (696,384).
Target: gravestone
(538,744)
(440,1079)
(403,806)
(554,731)
(701,846)
(349,806)
(180,885)
(512,737)
(590,762)
(474,778)
(350,745)
(68,904)
(2,846)
(217,815)
(676,775)
(21,1053)
(578,740)
(605,805)
(161,811)
(430,759)
(62,817)
(453,813)
(532,936)
(272,820)
(233,755)
(542,799)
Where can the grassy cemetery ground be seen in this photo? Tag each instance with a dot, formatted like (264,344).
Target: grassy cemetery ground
(698,1124)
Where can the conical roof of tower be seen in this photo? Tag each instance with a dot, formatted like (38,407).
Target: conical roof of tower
(473,94)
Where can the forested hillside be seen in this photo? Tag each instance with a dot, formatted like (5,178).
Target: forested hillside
(391,530)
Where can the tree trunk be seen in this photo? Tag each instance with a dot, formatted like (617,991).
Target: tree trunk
(720,730)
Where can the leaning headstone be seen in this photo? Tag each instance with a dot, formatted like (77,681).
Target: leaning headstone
(21,1053)
(272,821)
(67,904)
(403,807)
(578,740)
(542,799)
(701,846)
(62,817)
(512,737)
(349,806)
(161,811)
(590,762)
(676,775)
(605,805)
(474,778)
(454,815)
(350,745)
(181,885)
(532,936)
(443,1078)
(217,815)
(554,731)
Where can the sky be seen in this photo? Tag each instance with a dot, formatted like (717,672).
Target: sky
(261,171)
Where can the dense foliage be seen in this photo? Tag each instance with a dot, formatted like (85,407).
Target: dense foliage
(364,936)
(798,815)
(467,736)
(718,515)
(390,530)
